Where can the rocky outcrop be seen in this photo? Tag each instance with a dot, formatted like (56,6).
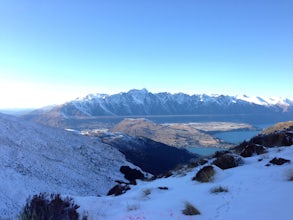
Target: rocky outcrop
(250,149)
(278,135)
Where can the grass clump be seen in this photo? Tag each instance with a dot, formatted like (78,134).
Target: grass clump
(190,209)
(219,189)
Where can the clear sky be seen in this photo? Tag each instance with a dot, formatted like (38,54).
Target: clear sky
(53,51)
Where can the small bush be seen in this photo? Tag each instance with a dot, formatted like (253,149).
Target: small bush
(45,207)
(190,209)
(219,189)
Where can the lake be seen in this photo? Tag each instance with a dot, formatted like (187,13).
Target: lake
(236,137)
(233,137)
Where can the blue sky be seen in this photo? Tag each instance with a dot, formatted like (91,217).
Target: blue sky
(56,50)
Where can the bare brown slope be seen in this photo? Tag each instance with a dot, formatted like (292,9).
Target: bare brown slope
(278,127)
(178,135)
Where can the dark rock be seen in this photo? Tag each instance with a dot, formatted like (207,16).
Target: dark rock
(163,188)
(251,149)
(221,153)
(279,161)
(226,161)
(118,189)
(205,174)
(131,174)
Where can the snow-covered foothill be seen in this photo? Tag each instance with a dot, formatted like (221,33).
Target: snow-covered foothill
(35,159)
(255,191)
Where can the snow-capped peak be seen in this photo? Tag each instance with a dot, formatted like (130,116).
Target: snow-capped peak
(265,101)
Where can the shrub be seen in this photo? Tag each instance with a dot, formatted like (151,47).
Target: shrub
(45,207)
(190,209)
(219,189)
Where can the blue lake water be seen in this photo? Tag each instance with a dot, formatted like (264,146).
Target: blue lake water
(236,137)
(233,137)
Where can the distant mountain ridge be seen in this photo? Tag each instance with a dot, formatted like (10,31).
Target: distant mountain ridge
(142,102)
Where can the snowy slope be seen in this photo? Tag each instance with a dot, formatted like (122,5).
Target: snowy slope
(255,191)
(36,159)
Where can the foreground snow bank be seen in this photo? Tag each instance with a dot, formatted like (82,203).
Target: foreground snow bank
(255,191)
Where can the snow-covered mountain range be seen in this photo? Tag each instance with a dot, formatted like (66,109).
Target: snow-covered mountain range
(145,103)
(142,102)
(35,158)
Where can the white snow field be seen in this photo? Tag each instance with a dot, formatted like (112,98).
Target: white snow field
(35,159)
(255,192)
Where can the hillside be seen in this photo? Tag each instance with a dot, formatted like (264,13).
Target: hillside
(97,109)
(256,186)
(152,157)
(38,159)
(177,135)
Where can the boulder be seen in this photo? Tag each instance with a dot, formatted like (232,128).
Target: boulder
(205,174)
(226,161)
